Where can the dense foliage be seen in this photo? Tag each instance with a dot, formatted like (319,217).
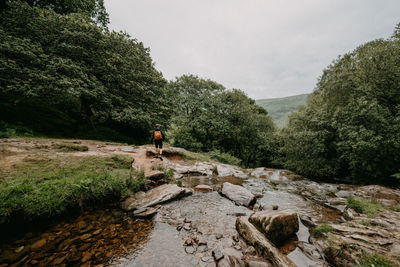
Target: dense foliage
(208,117)
(93,9)
(350,128)
(63,75)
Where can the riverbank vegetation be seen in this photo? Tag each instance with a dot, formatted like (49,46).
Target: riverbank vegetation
(64,74)
(49,184)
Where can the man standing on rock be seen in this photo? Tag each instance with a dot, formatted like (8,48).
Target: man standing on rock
(158,136)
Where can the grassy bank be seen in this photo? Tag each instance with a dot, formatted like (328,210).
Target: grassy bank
(46,185)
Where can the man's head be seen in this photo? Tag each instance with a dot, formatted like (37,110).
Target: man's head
(157,126)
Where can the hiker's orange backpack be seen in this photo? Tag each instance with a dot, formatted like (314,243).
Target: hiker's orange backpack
(157,135)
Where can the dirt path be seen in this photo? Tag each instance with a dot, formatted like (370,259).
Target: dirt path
(141,162)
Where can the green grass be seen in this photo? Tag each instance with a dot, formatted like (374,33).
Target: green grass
(50,186)
(280,108)
(224,157)
(70,147)
(375,260)
(368,207)
(396,208)
(323,228)
(365,223)
(193,156)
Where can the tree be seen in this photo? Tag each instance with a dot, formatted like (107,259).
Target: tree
(209,117)
(61,74)
(92,8)
(350,126)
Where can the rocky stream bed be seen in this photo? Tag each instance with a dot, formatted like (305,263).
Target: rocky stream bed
(222,216)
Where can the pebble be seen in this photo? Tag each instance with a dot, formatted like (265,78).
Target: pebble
(190,250)
(202,248)
(219,236)
(217,254)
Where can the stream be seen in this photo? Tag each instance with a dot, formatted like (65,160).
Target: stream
(183,233)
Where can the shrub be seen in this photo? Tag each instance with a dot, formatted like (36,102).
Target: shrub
(224,157)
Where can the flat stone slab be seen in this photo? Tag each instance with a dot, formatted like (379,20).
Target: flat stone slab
(256,239)
(158,195)
(238,194)
(129,149)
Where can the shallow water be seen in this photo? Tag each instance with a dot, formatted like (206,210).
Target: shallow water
(94,237)
(111,236)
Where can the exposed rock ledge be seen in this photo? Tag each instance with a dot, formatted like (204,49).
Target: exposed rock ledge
(255,238)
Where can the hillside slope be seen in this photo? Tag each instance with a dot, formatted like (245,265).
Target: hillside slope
(280,108)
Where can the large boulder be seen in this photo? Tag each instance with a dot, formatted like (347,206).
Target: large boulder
(158,195)
(238,194)
(277,225)
(256,239)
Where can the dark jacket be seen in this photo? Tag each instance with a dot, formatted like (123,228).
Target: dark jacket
(162,134)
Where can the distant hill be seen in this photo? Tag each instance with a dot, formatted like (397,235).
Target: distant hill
(280,108)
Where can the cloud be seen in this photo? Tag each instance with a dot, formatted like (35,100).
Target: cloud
(267,48)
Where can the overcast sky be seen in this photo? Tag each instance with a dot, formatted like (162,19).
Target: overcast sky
(267,48)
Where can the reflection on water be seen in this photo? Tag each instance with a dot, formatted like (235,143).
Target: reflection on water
(193,180)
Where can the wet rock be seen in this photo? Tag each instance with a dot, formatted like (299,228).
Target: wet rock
(235,237)
(188,192)
(190,250)
(380,192)
(250,250)
(307,221)
(202,248)
(38,244)
(337,201)
(155,175)
(253,263)
(86,256)
(146,212)
(238,194)
(158,195)
(207,259)
(311,252)
(177,176)
(129,149)
(349,214)
(260,173)
(380,222)
(203,188)
(217,254)
(256,239)
(387,202)
(225,170)
(232,258)
(277,226)
(187,226)
(343,194)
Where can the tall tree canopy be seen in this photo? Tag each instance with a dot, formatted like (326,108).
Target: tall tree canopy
(92,8)
(350,128)
(60,73)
